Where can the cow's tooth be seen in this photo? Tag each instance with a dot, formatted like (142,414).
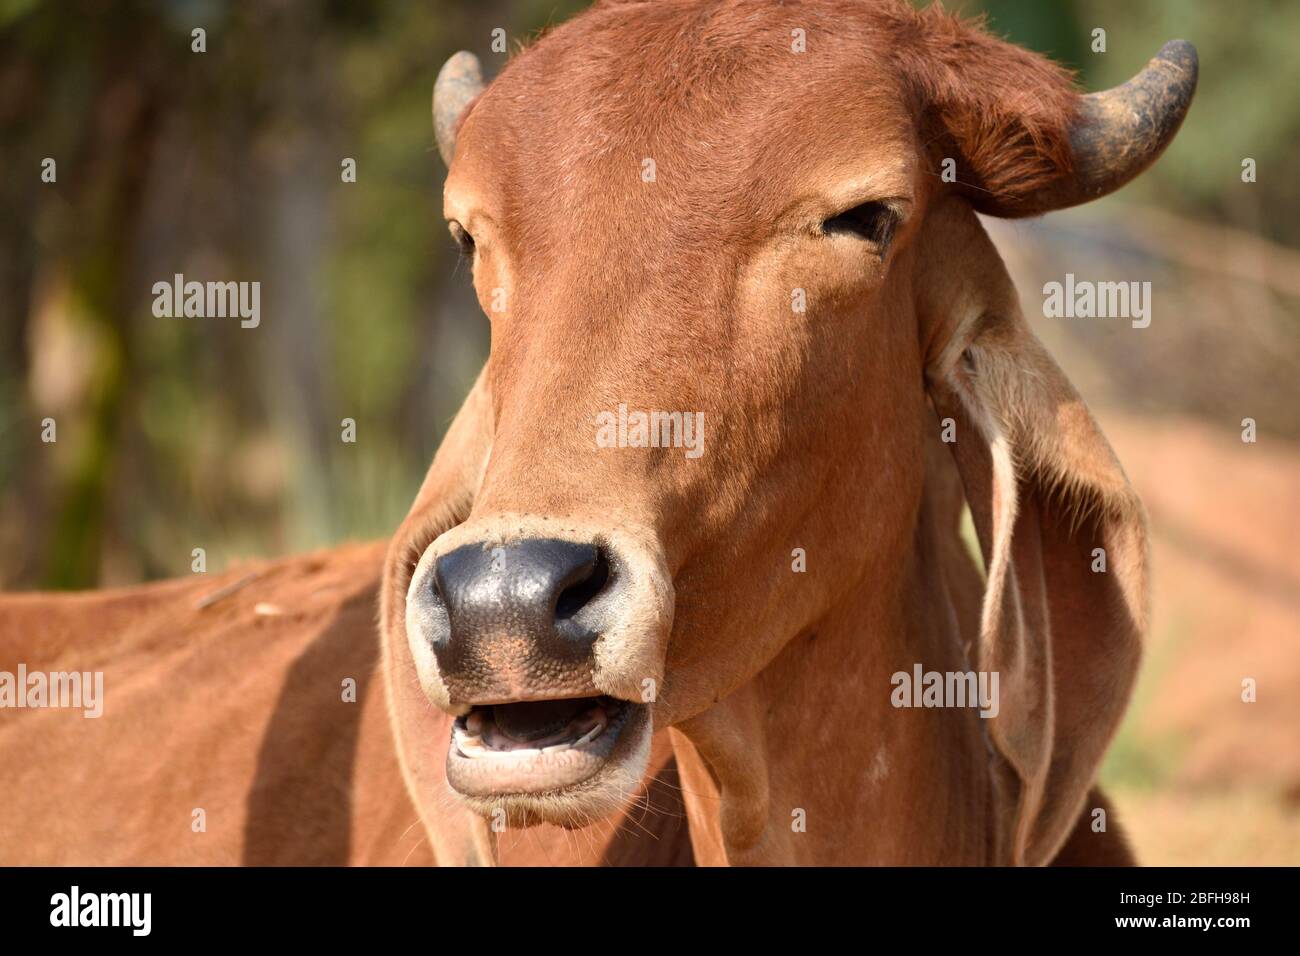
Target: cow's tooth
(555,748)
(590,735)
(471,747)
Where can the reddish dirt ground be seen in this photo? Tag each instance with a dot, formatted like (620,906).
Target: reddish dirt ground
(1199,775)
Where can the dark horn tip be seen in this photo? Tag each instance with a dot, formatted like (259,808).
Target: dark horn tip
(1180,56)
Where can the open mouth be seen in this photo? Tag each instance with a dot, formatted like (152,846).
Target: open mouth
(535,746)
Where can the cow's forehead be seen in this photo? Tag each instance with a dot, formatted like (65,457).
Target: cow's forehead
(665,114)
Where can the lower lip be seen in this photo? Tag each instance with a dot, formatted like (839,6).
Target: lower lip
(540,772)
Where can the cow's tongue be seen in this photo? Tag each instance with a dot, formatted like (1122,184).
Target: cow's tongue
(536,720)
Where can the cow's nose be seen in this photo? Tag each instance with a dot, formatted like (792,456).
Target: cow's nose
(534,590)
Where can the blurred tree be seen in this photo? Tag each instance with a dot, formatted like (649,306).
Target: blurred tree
(225,165)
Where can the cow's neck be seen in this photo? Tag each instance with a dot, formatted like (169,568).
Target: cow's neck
(793,769)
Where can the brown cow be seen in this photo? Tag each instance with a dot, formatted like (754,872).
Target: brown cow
(730,219)
(560,590)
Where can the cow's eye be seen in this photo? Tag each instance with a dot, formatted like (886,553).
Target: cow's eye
(463,239)
(874,221)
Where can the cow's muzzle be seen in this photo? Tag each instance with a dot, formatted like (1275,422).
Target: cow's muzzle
(549,650)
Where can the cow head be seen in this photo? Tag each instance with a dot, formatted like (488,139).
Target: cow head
(728,282)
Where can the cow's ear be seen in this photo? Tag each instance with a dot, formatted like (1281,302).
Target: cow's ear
(1007,128)
(1062,533)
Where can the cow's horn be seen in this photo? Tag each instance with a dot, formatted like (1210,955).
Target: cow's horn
(1119,132)
(459,81)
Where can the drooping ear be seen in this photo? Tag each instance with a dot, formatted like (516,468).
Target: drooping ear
(444,501)
(1024,141)
(1062,533)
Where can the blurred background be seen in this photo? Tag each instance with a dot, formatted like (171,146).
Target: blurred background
(174,434)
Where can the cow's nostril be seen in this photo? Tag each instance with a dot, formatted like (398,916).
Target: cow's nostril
(580,593)
(541,594)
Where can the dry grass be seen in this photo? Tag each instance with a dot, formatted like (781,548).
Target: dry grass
(1231,828)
